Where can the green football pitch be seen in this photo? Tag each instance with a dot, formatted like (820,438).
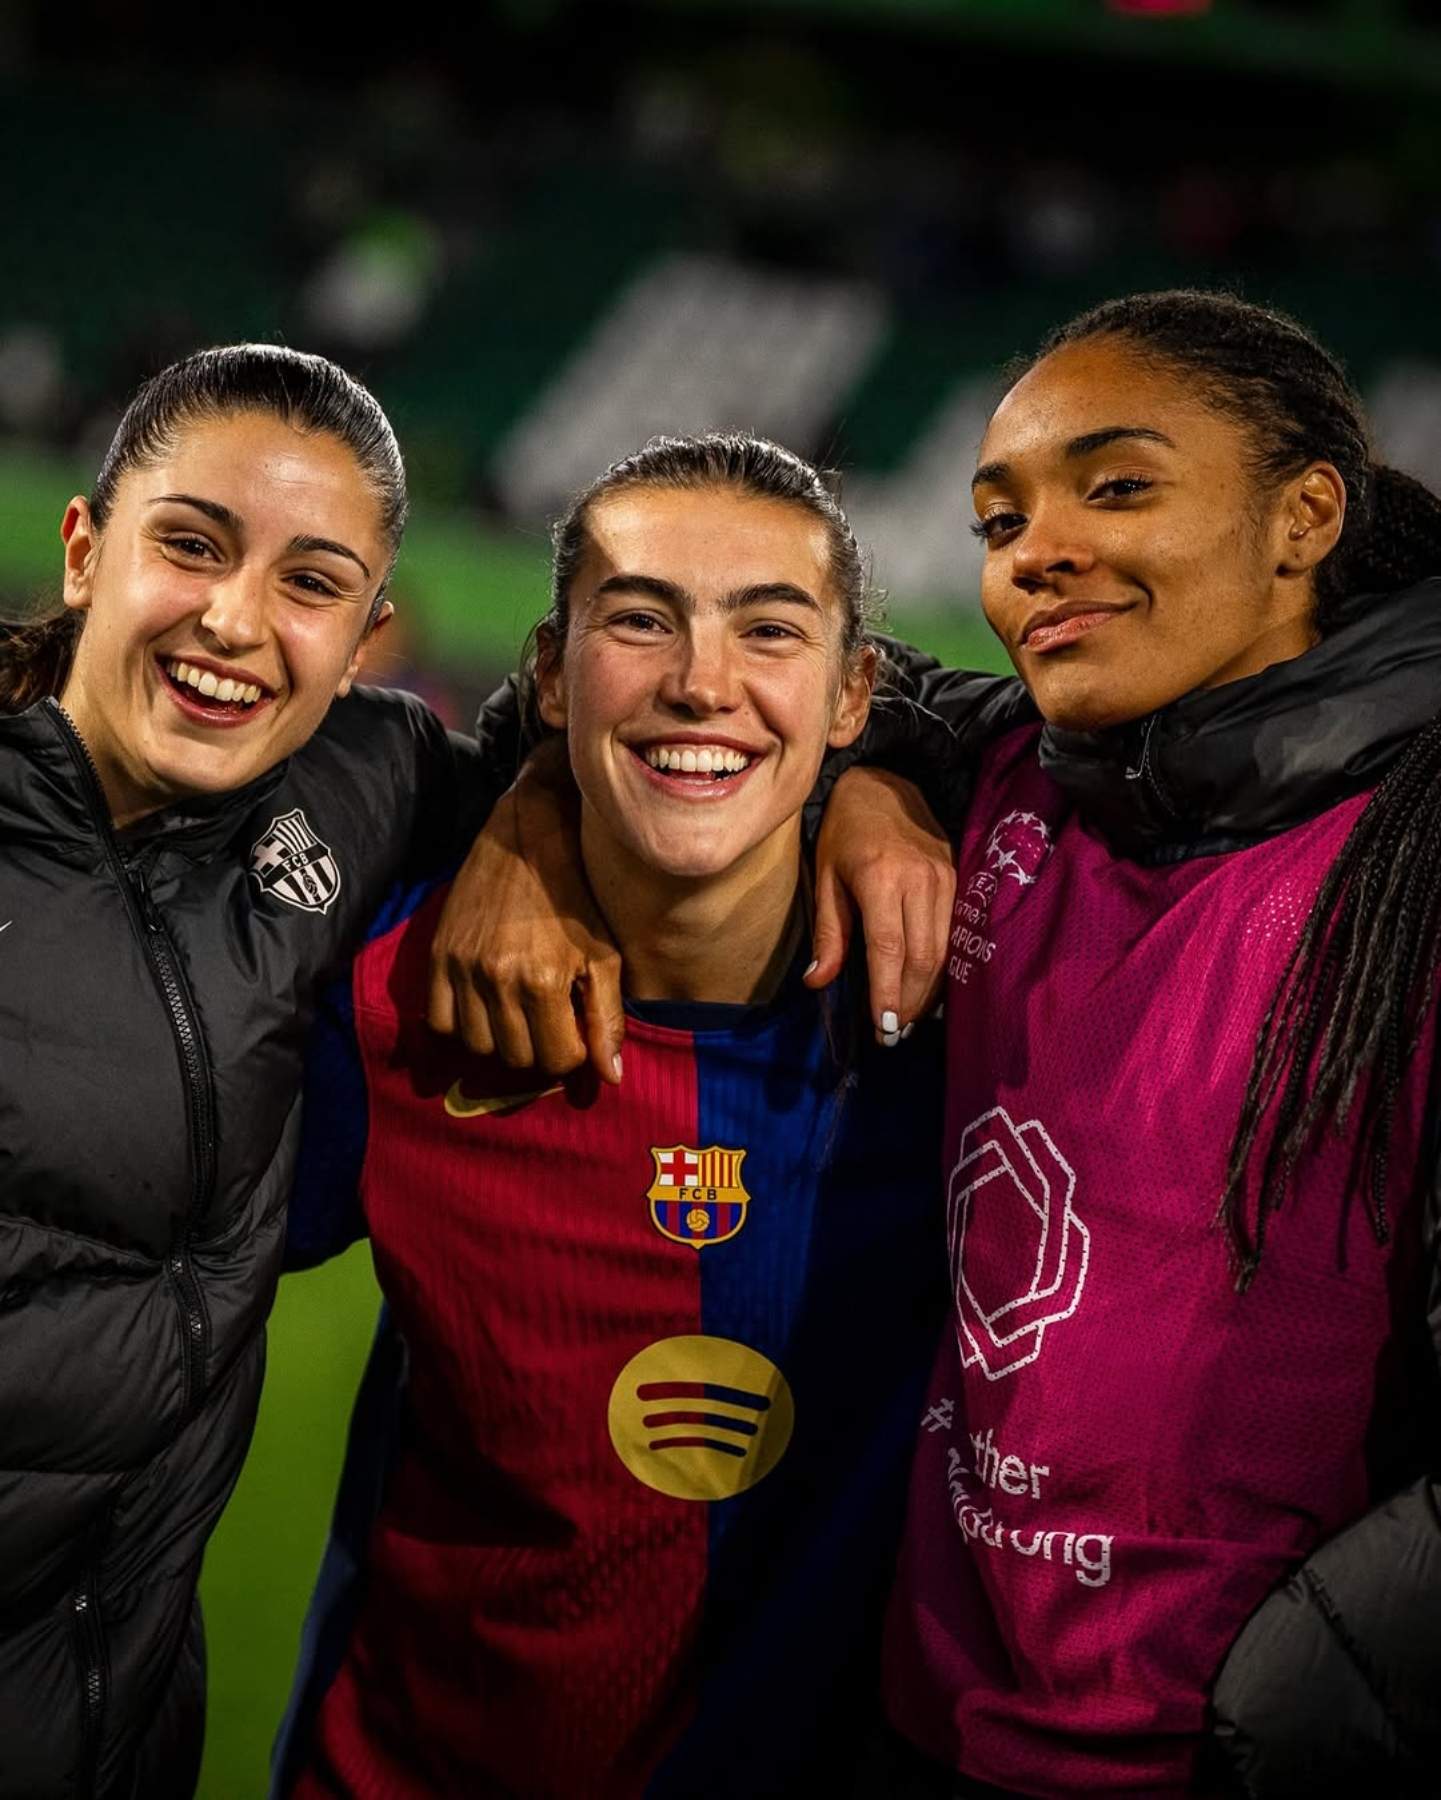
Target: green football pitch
(263,1559)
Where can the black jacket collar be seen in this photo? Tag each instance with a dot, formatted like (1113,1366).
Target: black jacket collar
(1254,757)
(49,791)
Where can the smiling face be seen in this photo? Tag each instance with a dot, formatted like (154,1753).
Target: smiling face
(1131,553)
(227,600)
(702,678)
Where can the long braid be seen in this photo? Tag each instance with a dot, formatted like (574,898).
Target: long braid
(1350,1008)
(1361,981)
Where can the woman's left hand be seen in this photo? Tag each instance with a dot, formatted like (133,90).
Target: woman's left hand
(882,853)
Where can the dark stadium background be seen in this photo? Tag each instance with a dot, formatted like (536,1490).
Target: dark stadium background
(544,229)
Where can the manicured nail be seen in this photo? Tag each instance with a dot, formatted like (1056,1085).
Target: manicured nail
(615,1065)
(908,1030)
(890,1039)
(813,965)
(890,1024)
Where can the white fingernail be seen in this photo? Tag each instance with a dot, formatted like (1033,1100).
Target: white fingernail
(615,1065)
(908,1030)
(889,1022)
(812,966)
(891,1038)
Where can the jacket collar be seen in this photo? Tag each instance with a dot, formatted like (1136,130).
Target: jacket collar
(49,791)
(1254,757)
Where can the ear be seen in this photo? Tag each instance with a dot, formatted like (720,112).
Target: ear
(82,546)
(1312,512)
(550,695)
(853,701)
(364,647)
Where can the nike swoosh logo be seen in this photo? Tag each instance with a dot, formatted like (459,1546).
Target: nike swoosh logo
(460,1105)
(6,926)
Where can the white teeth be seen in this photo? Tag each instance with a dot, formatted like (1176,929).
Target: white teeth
(685,760)
(214,687)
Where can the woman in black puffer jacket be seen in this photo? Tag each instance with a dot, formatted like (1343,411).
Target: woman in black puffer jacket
(191,834)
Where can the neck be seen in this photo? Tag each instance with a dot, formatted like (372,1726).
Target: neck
(725,938)
(1290,636)
(126,798)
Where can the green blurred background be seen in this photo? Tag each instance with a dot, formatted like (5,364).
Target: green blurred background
(544,229)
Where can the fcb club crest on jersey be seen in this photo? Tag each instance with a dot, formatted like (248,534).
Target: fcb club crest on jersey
(289,861)
(697,1197)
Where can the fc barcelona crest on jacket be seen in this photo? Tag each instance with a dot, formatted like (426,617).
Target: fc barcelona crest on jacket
(697,1197)
(290,861)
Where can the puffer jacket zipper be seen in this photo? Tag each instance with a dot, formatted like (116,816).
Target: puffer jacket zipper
(149,928)
(1145,771)
(90,1656)
(194,1061)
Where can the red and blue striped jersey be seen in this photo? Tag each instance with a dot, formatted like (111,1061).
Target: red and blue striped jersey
(626,1476)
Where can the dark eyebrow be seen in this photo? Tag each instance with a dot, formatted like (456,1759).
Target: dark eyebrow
(212,509)
(302,544)
(1089,441)
(669,591)
(770,593)
(759,593)
(222,515)
(1110,434)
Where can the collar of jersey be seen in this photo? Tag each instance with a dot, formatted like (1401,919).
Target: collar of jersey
(713,1018)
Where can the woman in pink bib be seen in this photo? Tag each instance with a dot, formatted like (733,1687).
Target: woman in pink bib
(1174,1516)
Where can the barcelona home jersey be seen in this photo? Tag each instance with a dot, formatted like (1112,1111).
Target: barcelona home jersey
(625,1478)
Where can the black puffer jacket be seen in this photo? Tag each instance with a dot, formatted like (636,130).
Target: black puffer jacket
(154,991)
(1334,1686)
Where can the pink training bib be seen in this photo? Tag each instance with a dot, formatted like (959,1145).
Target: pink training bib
(1121,1455)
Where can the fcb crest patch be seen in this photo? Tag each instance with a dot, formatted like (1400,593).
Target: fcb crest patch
(289,861)
(697,1197)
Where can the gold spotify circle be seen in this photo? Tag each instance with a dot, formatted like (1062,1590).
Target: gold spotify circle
(700,1418)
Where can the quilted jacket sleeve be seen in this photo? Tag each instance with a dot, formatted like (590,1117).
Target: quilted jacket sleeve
(1334,1685)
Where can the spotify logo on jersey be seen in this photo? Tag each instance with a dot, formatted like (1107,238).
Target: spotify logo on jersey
(700,1418)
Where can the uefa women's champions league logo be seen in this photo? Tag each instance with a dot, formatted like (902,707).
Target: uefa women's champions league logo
(1019,1251)
(1019,843)
(1015,851)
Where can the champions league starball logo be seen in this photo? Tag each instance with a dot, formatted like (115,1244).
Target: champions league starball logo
(1018,845)
(1019,1252)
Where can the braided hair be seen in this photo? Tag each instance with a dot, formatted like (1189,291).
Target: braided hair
(1348,1012)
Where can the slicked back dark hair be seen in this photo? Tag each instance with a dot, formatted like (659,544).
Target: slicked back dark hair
(1351,1007)
(308,392)
(749,465)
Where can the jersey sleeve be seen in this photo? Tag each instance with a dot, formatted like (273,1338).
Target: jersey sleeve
(325,1214)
